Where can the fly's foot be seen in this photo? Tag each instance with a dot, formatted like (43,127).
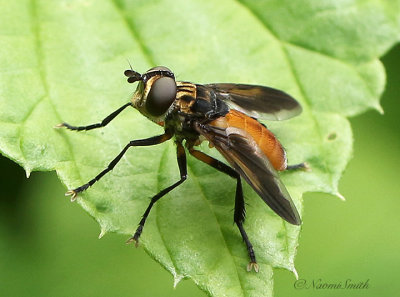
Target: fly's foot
(68,126)
(306,166)
(302,166)
(133,239)
(73,193)
(58,126)
(252,265)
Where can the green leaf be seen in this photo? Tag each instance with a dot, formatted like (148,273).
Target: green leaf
(63,61)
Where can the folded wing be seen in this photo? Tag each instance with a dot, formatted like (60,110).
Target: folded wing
(245,156)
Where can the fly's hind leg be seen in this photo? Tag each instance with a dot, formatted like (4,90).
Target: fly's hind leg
(302,166)
(240,211)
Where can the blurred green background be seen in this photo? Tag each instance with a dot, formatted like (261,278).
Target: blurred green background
(49,247)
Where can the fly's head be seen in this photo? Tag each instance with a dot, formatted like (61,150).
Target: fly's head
(155,93)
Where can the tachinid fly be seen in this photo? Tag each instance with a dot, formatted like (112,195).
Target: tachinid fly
(226,116)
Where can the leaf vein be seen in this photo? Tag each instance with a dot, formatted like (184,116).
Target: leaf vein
(134,32)
(305,47)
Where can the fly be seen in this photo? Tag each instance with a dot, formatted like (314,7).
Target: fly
(225,115)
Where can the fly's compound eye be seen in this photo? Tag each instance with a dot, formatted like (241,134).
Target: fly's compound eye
(162,94)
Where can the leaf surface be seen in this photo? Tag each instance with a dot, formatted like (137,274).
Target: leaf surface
(63,61)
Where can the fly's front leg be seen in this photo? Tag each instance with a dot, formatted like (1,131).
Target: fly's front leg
(240,211)
(103,123)
(181,157)
(141,142)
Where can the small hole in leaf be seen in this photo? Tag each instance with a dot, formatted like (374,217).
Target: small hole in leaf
(332,136)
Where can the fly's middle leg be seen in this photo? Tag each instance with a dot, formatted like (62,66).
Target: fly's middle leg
(181,158)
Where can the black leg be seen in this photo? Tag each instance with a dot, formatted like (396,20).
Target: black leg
(141,142)
(303,165)
(240,211)
(181,157)
(103,123)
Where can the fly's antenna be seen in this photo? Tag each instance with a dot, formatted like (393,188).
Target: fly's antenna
(130,65)
(132,75)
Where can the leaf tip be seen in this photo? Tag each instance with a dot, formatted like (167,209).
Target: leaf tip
(379,109)
(177,279)
(296,275)
(27,172)
(102,233)
(340,196)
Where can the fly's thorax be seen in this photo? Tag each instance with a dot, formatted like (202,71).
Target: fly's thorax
(155,94)
(185,97)
(181,124)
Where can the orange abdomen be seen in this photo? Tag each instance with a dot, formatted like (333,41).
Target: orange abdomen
(264,138)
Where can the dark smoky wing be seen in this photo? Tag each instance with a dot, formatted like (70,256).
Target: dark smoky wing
(257,101)
(246,157)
